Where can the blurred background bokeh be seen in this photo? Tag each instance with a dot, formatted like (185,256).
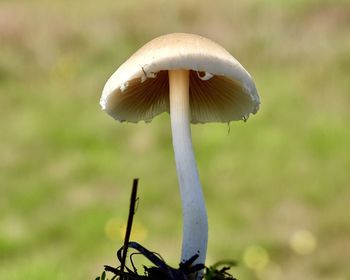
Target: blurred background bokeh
(276,187)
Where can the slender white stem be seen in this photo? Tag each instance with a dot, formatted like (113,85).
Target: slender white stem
(195,221)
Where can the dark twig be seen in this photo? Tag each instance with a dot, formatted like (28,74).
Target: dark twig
(129,225)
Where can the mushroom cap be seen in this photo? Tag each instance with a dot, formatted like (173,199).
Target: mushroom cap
(221,90)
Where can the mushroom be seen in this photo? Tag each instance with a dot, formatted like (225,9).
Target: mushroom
(196,81)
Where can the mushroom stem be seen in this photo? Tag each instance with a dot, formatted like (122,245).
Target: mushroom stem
(195,221)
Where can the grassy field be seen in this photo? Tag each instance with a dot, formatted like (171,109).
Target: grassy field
(276,187)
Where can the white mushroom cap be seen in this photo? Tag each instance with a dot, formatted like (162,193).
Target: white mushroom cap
(221,90)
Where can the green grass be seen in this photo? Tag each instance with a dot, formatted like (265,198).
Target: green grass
(66,168)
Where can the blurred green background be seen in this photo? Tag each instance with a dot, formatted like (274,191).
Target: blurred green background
(276,187)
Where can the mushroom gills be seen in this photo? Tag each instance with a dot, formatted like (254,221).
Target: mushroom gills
(144,98)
